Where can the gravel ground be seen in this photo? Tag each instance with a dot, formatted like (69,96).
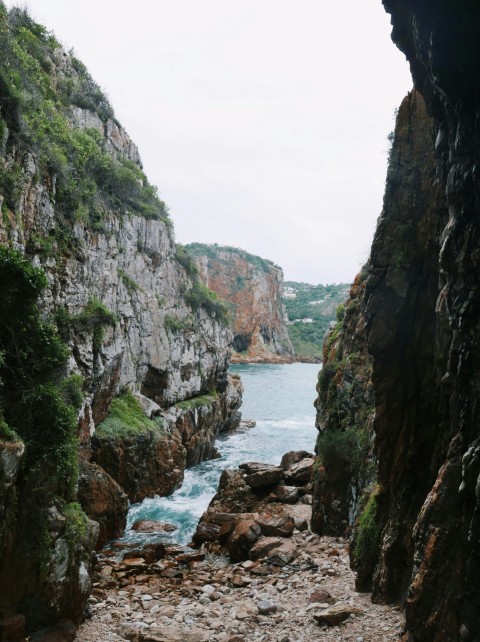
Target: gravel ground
(212,600)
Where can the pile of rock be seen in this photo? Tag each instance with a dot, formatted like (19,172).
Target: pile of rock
(256,509)
(185,598)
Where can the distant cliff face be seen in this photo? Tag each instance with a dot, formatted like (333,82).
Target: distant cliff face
(147,345)
(253,287)
(418,531)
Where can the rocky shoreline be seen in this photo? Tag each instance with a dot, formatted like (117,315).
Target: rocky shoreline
(257,575)
(193,597)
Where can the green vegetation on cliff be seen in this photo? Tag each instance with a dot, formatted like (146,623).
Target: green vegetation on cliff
(38,86)
(125,419)
(311,311)
(36,401)
(214,251)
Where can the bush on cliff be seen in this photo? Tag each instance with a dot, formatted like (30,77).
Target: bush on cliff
(201,296)
(34,107)
(32,398)
(126,419)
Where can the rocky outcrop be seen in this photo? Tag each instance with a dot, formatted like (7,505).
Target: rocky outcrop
(103,500)
(135,319)
(253,288)
(345,412)
(417,537)
(439,319)
(252,512)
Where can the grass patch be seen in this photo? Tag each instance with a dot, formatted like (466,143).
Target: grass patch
(199,296)
(176,325)
(126,419)
(197,402)
(76,524)
(130,284)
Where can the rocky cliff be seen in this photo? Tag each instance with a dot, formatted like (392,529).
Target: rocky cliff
(253,288)
(146,345)
(418,533)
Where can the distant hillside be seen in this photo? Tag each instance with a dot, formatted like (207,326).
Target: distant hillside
(311,309)
(252,288)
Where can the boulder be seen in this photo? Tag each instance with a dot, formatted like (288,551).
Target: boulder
(284,495)
(206,532)
(293,457)
(103,500)
(277,549)
(242,539)
(301,472)
(153,526)
(259,475)
(336,614)
(151,553)
(13,628)
(280,525)
(264,546)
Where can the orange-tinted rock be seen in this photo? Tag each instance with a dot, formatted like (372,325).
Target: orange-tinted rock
(253,287)
(103,500)
(242,539)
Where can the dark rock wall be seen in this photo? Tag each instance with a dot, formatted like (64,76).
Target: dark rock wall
(401,327)
(421,311)
(345,407)
(440,40)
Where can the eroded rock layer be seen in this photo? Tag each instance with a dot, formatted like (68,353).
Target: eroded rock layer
(253,287)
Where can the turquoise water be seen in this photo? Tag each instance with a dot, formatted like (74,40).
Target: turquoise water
(280,399)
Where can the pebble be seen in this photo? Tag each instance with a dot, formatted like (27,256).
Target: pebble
(264,603)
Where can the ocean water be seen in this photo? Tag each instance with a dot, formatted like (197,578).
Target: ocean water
(280,399)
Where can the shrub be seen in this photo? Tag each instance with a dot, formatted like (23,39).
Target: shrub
(326,375)
(126,418)
(94,317)
(348,450)
(31,371)
(71,389)
(34,106)
(175,325)
(76,524)
(201,296)
(186,260)
(130,284)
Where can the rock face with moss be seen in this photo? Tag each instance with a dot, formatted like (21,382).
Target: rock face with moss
(126,302)
(418,531)
(345,410)
(253,288)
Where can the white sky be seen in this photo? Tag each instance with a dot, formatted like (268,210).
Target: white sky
(262,122)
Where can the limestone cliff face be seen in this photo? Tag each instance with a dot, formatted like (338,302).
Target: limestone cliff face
(76,203)
(418,533)
(253,288)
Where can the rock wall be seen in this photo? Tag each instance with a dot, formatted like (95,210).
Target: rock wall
(345,411)
(421,315)
(76,203)
(253,288)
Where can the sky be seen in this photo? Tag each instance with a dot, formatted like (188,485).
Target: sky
(263,123)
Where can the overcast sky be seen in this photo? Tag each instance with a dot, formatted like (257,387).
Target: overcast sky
(263,122)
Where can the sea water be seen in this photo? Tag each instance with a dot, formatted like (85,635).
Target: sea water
(280,399)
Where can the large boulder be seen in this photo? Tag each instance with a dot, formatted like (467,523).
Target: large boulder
(103,501)
(280,525)
(301,472)
(259,475)
(242,539)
